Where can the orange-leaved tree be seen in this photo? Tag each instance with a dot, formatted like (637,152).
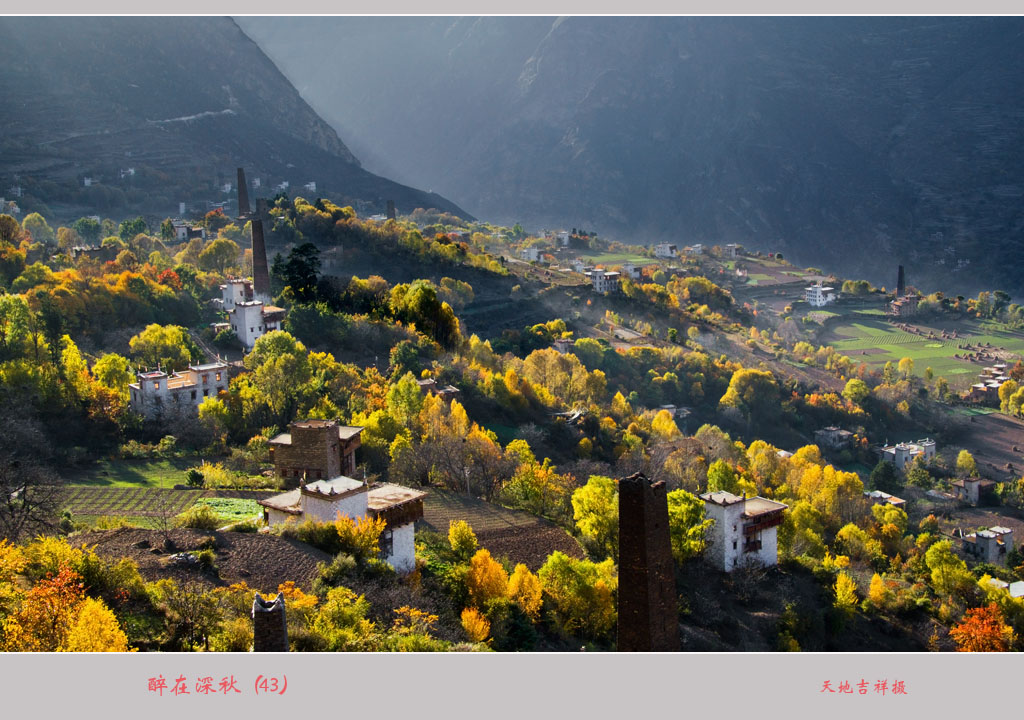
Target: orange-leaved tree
(983,630)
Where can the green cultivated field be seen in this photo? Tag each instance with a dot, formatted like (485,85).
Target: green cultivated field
(871,340)
(135,473)
(232,510)
(616,258)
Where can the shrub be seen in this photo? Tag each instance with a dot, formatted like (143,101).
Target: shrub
(360,537)
(462,538)
(194,477)
(207,559)
(201,517)
(320,535)
(476,626)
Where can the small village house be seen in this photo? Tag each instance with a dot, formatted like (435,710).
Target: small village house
(745,530)
(974,491)
(603,280)
(665,250)
(157,395)
(833,438)
(901,454)
(877,497)
(818,295)
(324,500)
(989,545)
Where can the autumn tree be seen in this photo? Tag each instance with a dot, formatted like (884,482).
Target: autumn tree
(525,590)
(475,625)
(983,630)
(486,579)
(753,392)
(966,465)
(96,630)
(582,594)
(461,538)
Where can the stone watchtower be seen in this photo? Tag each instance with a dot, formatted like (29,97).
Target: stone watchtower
(648,618)
(269,627)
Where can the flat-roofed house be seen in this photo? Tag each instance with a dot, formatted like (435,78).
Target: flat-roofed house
(974,491)
(324,500)
(745,529)
(989,545)
(157,395)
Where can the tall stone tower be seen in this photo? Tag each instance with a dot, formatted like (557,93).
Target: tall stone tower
(648,618)
(391,209)
(260,273)
(901,284)
(243,195)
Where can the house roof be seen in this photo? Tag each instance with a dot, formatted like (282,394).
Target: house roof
(288,502)
(340,485)
(387,495)
(759,506)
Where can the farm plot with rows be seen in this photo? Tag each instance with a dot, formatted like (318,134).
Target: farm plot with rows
(519,536)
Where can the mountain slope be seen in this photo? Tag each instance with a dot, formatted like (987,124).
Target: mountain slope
(856,143)
(182,100)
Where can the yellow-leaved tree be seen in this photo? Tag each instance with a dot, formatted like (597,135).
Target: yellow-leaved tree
(486,579)
(525,590)
(96,630)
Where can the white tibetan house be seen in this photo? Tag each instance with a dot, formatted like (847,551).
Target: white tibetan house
(325,500)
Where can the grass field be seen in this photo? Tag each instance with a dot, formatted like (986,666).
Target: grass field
(615,258)
(232,510)
(165,473)
(871,340)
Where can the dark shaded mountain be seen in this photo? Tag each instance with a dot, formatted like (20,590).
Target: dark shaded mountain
(853,143)
(183,101)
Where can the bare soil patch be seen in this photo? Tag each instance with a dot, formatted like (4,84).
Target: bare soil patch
(262,560)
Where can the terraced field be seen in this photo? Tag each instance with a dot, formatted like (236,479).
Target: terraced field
(875,342)
(147,506)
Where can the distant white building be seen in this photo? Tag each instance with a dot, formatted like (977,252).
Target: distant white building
(562,236)
(251,320)
(732,250)
(990,546)
(697,249)
(818,296)
(665,250)
(603,281)
(633,272)
(310,186)
(324,500)
(530,254)
(158,395)
(184,230)
(745,529)
(901,454)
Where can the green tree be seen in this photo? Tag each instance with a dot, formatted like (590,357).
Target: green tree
(722,476)
(461,538)
(965,465)
(36,226)
(582,594)
(596,513)
(219,255)
(87,228)
(128,229)
(885,478)
(300,270)
(949,574)
(165,346)
(687,525)
(9,230)
(114,372)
